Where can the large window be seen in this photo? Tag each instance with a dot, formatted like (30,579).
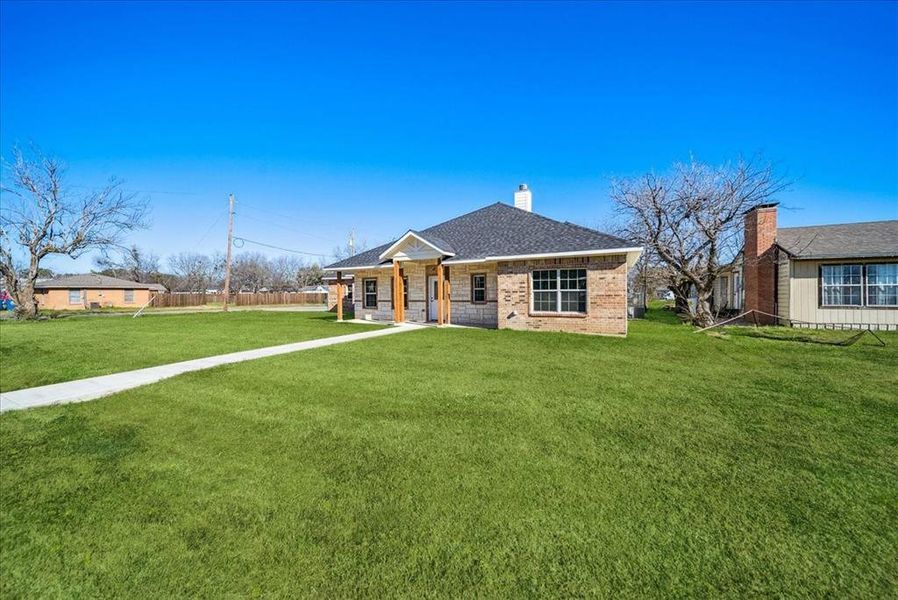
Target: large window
(559,290)
(129,296)
(882,285)
(478,288)
(370,300)
(842,285)
(74,296)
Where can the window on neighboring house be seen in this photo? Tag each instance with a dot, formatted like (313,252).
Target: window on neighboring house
(882,285)
(129,296)
(74,296)
(370,300)
(404,292)
(478,288)
(559,290)
(841,285)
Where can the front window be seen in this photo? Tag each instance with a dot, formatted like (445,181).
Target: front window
(129,296)
(74,296)
(882,285)
(842,285)
(559,290)
(478,288)
(370,293)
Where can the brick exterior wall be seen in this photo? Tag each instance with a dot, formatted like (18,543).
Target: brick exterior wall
(464,310)
(759,268)
(58,299)
(606,289)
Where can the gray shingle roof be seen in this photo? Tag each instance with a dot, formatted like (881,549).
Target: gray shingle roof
(500,230)
(849,240)
(92,280)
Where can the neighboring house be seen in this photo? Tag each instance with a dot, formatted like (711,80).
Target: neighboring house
(500,266)
(841,276)
(313,289)
(78,292)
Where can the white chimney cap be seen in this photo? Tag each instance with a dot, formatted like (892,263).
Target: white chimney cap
(523,198)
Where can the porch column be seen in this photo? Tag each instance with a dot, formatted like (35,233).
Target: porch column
(447,292)
(339,295)
(397,293)
(440,292)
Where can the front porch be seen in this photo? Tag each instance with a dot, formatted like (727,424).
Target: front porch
(418,286)
(406,291)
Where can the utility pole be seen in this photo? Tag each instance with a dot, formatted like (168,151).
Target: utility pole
(352,242)
(227,281)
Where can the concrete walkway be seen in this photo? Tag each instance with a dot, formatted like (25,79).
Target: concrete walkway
(97,387)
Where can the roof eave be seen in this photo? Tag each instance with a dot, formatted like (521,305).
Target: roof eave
(634,250)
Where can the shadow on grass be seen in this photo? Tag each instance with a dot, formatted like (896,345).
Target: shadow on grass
(822,338)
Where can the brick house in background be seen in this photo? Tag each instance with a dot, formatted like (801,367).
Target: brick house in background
(80,292)
(500,266)
(835,276)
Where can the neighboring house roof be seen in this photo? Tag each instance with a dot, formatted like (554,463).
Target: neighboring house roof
(95,281)
(497,232)
(874,239)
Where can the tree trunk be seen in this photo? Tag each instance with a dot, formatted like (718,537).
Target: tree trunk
(704,317)
(26,303)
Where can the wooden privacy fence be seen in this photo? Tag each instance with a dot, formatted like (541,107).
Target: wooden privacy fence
(260,299)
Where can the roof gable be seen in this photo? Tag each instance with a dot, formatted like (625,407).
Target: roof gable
(416,246)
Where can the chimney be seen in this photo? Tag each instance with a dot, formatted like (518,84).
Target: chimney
(759,260)
(523,199)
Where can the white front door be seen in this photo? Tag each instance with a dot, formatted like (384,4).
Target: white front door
(432,294)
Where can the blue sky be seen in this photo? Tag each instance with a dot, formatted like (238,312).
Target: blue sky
(323,118)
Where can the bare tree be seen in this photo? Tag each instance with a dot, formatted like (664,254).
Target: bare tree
(40,217)
(692,220)
(310,275)
(284,271)
(194,271)
(250,272)
(132,263)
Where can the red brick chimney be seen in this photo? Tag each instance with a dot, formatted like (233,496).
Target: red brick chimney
(759,264)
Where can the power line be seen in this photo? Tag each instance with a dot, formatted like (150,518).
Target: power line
(290,229)
(208,231)
(243,241)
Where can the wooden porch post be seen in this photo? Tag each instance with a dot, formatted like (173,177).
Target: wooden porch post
(448,294)
(397,293)
(440,292)
(339,295)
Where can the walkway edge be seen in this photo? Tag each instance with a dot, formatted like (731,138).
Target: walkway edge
(82,390)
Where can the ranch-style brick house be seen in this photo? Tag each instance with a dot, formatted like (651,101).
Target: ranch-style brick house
(80,292)
(500,267)
(840,276)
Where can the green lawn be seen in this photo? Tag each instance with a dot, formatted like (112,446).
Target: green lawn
(41,352)
(471,463)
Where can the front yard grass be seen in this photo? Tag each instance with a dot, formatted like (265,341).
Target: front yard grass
(50,351)
(471,463)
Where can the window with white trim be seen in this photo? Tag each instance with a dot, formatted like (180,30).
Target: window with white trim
(74,296)
(478,288)
(370,299)
(882,285)
(841,285)
(559,290)
(129,296)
